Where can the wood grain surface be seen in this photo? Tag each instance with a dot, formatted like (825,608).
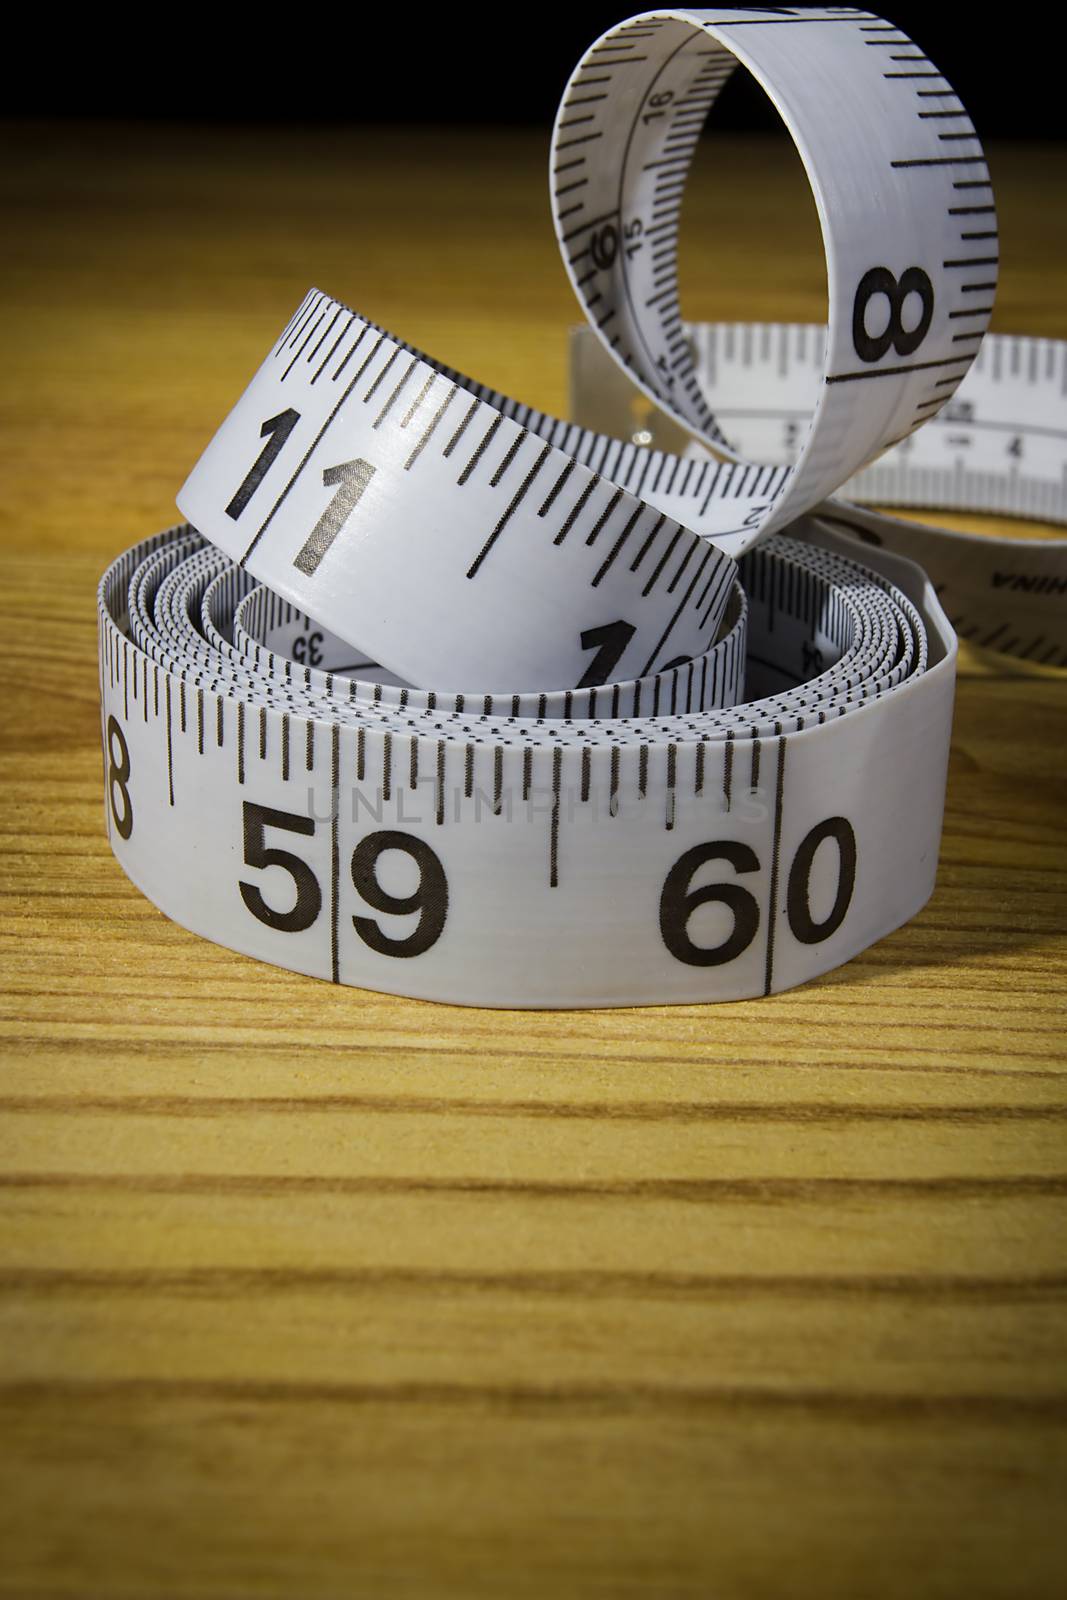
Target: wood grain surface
(314,1292)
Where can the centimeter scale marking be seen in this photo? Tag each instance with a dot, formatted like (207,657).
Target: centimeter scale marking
(440,441)
(317,744)
(994,448)
(250,720)
(938,308)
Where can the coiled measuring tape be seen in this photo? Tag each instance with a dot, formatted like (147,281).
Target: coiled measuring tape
(448,698)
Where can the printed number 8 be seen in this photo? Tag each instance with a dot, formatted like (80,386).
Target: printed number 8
(905,341)
(118,775)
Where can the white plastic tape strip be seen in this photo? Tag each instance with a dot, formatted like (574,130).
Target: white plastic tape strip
(445,848)
(897,173)
(999,446)
(551,790)
(429,528)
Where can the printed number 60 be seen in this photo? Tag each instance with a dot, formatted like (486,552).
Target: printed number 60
(678,901)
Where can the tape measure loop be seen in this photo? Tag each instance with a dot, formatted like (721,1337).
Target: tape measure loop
(886,186)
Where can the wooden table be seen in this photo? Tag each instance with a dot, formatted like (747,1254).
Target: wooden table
(315,1292)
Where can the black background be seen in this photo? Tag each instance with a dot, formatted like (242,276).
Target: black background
(403,64)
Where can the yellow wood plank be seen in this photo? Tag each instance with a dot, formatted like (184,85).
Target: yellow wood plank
(309,1292)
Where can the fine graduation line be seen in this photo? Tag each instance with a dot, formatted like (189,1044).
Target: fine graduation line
(335,852)
(772,908)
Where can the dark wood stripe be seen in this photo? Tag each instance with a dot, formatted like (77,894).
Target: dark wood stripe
(582,1283)
(630,1111)
(679,1399)
(693,1191)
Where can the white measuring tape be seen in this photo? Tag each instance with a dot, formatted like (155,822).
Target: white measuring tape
(1000,445)
(453,703)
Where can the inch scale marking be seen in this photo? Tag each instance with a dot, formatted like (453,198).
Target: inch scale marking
(1000,446)
(358,495)
(454,702)
(899,252)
